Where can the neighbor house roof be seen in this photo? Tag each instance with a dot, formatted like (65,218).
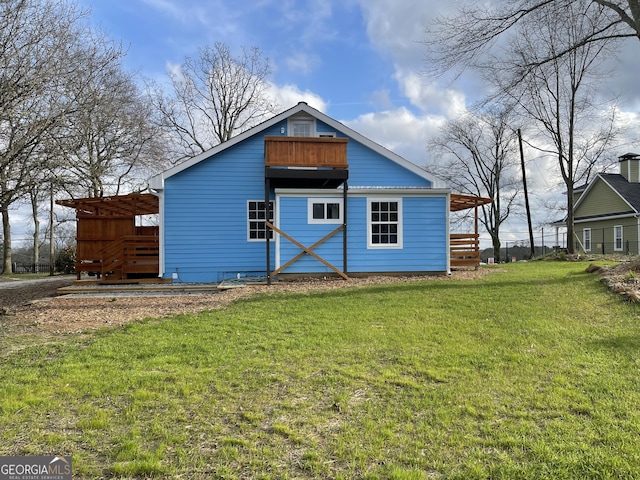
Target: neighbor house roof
(629,191)
(157,182)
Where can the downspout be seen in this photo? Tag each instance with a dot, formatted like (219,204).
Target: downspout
(344,228)
(161,223)
(448,233)
(267,186)
(638,242)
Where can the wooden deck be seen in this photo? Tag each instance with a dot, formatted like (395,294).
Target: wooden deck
(464,250)
(305,152)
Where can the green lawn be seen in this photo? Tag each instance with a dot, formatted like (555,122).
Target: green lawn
(530,372)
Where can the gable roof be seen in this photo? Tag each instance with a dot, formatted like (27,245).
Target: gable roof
(157,181)
(629,192)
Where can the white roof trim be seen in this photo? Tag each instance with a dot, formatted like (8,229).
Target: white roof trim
(157,181)
(360,191)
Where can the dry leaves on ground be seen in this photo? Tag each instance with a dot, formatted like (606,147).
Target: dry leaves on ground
(72,314)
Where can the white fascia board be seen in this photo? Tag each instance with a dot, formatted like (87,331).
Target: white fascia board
(360,191)
(157,182)
(602,218)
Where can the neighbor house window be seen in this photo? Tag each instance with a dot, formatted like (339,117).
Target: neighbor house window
(257,229)
(586,239)
(324,210)
(384,223)
(617,238)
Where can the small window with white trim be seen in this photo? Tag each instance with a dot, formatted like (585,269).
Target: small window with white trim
(256,226)
(324,210)
(302,128)
(617,238)
(586,239)
(384,223)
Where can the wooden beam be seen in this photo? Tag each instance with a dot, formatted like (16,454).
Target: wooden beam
(307,250)
(301,254)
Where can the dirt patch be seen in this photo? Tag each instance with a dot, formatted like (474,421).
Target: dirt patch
(34,311)
(623,278)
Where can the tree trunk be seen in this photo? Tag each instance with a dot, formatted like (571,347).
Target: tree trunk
(496,248)
(6,232)
(36,233)
(571,240)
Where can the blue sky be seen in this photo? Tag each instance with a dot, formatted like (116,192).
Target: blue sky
(359,61)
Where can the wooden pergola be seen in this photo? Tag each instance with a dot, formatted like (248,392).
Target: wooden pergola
(108,241)
(464,248)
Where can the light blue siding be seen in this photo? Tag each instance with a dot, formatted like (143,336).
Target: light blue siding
(293,221)
(424,238)
(205,217)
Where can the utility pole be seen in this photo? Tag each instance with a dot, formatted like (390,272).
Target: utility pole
(526,197)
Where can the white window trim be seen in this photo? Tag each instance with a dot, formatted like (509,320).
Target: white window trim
(293,121)
(585,232)
(385,246)
(249,220)
(333,221)
(615,238)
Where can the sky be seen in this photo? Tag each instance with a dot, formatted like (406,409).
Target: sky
(361,62)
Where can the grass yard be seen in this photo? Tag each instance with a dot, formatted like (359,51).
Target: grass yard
(532,372)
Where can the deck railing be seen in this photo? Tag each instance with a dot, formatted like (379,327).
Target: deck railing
(129,255)
(464,250)
(305,152)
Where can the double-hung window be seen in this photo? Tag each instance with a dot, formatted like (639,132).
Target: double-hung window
(617,238)
(256,215)
(324,210)
(586,239)
(384,223)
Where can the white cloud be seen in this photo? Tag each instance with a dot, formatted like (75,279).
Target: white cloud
(400,131)
(428,97)
(289,95)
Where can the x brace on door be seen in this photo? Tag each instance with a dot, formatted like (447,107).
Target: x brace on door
(308,250)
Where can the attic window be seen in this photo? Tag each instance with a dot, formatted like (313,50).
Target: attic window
(301,128)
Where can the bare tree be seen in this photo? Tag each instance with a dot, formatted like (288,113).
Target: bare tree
(109,144)
(37,42)
(214,97)
(460,41)
(560,95)
(477,155)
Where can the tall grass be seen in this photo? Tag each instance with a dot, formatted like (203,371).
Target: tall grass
(532,372)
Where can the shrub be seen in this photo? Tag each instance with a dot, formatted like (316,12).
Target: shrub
(66,260)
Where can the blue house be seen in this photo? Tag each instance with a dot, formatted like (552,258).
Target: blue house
(303,194)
